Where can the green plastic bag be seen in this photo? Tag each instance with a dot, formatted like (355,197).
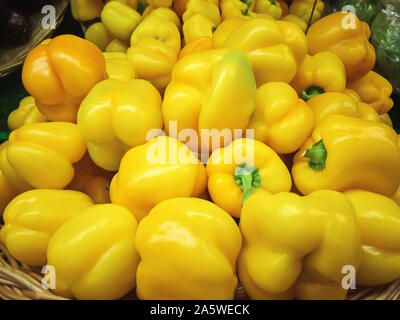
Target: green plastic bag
(386,39)
(366,10)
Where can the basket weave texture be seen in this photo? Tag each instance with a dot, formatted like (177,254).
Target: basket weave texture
(21,282)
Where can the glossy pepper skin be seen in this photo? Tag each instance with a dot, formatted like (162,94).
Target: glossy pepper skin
(92,180)
(197,26)
(120,19)
(197,45)
(145,177)
(41,155)
(374,90)
(198,264)
(31,219)
(330,103)
(7,190)
(275,49)
(346,153)
(321,73)
(116,116)
(155,45)
(291,245)
(379,220)
(84,10)
(303,9)
(349,41)
(117,45)
(26,113)
(180,6)
(165,13)
(296,20)
(236,9)
(203,7)
(118,66)
(238,170)
(59,75)
(224,30)
(94,254)
(98,34)
(269,7)
(281,120)
(210,90)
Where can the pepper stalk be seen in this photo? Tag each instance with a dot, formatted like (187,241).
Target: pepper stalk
(247,178)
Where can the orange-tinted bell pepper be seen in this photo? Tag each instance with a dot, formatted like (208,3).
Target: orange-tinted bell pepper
(92,180)
(374,90)
(346,36)
(59,74)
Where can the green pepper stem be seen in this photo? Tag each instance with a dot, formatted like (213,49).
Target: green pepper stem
(247,178)
(213,28)
(311,92)
(245,11)
(316,156)
(273,2)
(4,135)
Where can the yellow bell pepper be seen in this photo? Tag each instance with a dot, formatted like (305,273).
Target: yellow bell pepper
(196,45)
(92,180)
(296,20)
(120,19)
(116,116)
(346,36)
(179,6)
(118,66)
(203,7)
(26,113)
(385,118)
(117,45)
(330,103)
(98,34)
(31,219)
(236,9)
(131,3)
(235,171)
(165,13)
(196,242)
(346,153)
(281,120)
(161,169)
(321,73)
(7,190)
(59,75)
(209,90)
(379,220)
(84,10)
(224,30)
(296,247)
(275,48)
(269,7)
(197,26)
(155,45)
(374,90)
(94,254)
(41,155)
(160,3)
(303,9)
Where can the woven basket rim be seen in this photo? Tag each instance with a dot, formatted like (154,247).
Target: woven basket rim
(16,56)
(19,281)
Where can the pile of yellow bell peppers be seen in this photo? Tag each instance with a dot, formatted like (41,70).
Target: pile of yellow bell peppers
(102,178)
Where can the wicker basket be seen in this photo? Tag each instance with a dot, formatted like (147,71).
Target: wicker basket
(11,59)
(22,282)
